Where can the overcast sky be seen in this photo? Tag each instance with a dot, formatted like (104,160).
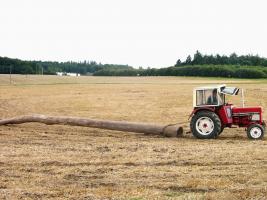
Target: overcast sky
(144,33)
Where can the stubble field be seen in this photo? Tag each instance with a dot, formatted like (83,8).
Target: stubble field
(61,162)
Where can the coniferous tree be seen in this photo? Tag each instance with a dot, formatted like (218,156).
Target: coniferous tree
(188,60)
(178,63)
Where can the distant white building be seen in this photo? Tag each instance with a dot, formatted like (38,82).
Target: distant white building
(73,74)
(59,73)
(67,74)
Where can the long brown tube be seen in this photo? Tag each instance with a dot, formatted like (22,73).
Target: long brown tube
(168,130)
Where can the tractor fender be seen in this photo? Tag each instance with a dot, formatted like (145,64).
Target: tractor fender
(196,110)
(263,124)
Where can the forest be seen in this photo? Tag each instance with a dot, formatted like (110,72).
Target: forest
(248,66)
(16,66)
(244,66)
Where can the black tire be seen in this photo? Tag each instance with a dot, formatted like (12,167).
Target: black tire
(222,128)
(255,132)
(210,116)
(264,126)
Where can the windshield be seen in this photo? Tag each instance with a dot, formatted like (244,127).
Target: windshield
(221,99)
(209,97)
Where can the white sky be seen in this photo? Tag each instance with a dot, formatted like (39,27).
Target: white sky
(144,33)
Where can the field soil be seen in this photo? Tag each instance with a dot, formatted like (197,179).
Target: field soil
(62,162)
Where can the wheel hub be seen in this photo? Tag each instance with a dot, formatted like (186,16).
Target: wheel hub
(204,125)
(255,132)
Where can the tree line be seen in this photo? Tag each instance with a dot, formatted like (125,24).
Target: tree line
(229,71)
(16,66)
(245,66)
(233,59)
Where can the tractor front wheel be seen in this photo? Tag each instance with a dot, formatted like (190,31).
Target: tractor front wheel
(255,132)
(205,125)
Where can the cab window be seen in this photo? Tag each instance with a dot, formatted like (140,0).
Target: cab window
(208,97)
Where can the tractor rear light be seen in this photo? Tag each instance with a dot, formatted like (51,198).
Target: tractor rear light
(255,117)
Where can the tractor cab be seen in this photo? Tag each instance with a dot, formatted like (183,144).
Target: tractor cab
(213,96)
(211,113)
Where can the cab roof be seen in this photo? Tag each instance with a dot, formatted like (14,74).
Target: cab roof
(210,87)
(220,88)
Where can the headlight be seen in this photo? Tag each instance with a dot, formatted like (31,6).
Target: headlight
(255,117)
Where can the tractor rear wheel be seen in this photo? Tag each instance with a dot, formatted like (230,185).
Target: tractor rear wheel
(255,132)
(221,130)
(205,125)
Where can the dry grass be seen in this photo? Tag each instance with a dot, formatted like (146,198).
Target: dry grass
(58,162)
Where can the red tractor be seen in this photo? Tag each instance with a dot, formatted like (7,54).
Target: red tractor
(212,114)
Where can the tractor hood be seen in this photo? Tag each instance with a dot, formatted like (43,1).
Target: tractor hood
(246,111)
